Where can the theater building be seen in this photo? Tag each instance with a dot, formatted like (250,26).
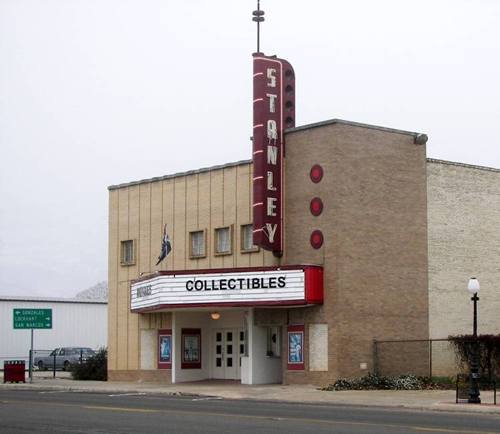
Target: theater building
(286,267)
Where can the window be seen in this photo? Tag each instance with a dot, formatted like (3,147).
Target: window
(273,341)
(247,244)
(223,242)
(197,243)
(127,252)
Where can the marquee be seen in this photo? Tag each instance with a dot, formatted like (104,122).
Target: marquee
(264,286)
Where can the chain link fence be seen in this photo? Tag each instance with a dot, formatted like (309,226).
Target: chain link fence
(50,363)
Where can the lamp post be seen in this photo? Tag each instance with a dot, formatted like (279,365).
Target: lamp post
(474,393)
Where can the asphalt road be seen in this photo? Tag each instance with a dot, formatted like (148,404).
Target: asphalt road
(71,412)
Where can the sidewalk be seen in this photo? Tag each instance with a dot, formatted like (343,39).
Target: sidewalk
(435,400)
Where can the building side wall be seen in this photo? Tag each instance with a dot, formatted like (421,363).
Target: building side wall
(73,325)
(464,241)
(199,201)
(375,241)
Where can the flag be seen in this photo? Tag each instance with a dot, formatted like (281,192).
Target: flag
(166,246)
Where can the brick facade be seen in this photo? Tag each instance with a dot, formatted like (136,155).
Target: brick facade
(401,237)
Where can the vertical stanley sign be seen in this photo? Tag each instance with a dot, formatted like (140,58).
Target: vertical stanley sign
(273,111)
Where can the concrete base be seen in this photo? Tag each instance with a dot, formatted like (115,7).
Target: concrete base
(162,376)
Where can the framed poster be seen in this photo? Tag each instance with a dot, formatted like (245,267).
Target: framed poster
(191,349)
(295,347)
(165,349)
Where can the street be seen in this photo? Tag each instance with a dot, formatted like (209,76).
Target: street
(75,412)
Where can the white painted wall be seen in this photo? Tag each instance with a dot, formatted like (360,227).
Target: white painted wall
(318,347)
(202,320)
(74,324)
(258,368)
(265,369)
(148,349)
(182,320)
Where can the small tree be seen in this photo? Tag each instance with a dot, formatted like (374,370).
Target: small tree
(94,368)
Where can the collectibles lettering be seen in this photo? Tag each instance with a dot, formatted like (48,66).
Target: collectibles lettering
(236,284)
(271,75)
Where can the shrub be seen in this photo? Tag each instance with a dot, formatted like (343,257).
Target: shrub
(488,352)
(94,368)
(376,382)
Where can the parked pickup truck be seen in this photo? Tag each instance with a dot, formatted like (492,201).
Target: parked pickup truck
(63,358)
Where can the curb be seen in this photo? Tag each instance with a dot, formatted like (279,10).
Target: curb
(449,407)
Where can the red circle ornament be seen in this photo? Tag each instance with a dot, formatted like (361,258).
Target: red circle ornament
(316,206)
(316,239)
(316,173)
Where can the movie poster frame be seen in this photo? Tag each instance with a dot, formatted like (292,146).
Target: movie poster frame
(190,364)
(298,329)
(164,363)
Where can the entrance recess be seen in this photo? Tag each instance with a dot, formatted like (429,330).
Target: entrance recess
(228,347)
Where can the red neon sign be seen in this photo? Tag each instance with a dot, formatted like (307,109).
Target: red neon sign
(273,111)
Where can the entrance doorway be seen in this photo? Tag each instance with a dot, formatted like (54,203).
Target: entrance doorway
(227,349)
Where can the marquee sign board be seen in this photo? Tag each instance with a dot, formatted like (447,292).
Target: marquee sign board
(266,286)
(273,111)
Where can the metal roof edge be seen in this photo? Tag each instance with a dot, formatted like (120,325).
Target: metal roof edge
(178,174)
(469,166)
(351,123)
(51,300)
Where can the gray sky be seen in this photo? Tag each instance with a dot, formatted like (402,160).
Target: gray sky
(99,92)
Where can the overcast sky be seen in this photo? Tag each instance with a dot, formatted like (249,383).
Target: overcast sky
(99,92)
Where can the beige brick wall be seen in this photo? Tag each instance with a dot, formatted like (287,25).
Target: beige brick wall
(464,241)
(197,201)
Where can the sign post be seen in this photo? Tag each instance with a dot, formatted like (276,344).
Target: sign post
(32,319)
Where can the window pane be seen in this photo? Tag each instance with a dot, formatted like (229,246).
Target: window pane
(198,243)
(223,240)
(273,341)
(127,252)
(247,237)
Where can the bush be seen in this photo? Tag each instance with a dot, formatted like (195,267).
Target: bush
(94,368)
(488,352)
(375,382)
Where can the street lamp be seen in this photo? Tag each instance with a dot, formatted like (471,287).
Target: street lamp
(474,393)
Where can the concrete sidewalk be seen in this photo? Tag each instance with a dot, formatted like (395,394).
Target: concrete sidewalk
(436,400)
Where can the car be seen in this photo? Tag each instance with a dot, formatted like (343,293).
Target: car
(63,358)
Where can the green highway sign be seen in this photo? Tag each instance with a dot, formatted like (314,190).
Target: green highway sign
(32,318)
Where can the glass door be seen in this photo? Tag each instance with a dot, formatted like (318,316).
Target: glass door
(228,348)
